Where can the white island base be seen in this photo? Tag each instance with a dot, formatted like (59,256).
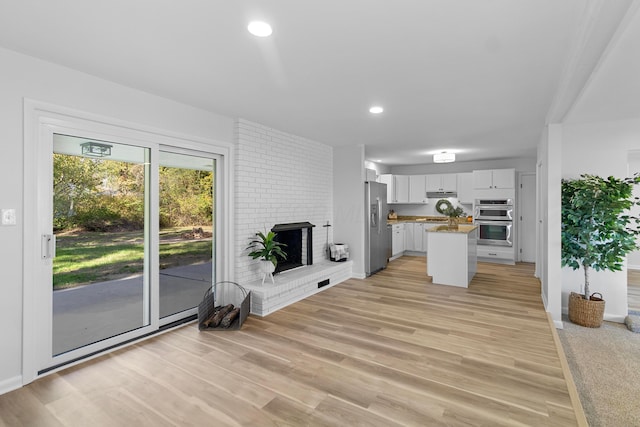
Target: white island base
(452,255)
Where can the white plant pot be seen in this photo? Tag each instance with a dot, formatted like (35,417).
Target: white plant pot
(267,267)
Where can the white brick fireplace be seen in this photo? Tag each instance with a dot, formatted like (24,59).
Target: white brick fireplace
(280,178)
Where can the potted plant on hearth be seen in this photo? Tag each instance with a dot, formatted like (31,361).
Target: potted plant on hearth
(267,249)
(597,233)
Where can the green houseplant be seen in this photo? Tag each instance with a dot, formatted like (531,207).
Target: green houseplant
(267,248)
(445,207)
(597,229)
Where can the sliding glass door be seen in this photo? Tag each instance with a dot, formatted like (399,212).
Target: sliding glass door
(128,238)
(101,223)
(186,224)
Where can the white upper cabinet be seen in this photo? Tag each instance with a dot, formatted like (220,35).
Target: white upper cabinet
(445,182)
(387,178)
(483,179)
(465,188)
(397,187)
(417,189)
(504,178)
(493,179)
(402,188)
(449,182)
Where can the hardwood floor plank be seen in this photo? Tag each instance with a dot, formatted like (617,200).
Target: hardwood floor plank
(340,413)
(392,349)
(22,408)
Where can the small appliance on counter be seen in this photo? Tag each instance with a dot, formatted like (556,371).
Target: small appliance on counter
(338,252)
(392,215)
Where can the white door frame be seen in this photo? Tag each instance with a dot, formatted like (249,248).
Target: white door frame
(520,199)
(41,120)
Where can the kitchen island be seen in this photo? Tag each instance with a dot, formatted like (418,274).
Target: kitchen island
(452,254)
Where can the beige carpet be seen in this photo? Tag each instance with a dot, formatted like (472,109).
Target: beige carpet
(605,364)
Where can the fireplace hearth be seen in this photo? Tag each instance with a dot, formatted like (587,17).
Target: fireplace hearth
(299,247)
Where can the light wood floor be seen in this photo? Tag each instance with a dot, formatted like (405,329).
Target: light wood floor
(390,350)
(633,289)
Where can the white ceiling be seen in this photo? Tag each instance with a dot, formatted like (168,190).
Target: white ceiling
(474,76)
(613,92)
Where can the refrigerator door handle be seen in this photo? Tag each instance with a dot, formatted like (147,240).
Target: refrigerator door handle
(379,214)
(373,218)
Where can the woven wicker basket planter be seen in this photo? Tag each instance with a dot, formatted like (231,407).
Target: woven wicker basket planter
(584,312)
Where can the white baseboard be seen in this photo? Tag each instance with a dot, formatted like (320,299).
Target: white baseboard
(558,324)
(10,384)
(614,318)
(358,276)
(608,317)
(633,267)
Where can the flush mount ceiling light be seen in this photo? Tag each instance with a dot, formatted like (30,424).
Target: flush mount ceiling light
(259,28)
(376,109)
(444,157)
(95,149)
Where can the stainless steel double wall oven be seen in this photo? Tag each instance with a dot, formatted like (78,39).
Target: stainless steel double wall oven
(494,218)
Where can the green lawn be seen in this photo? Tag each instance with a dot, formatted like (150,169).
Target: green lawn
(88,257)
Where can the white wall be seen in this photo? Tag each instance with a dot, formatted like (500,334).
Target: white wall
(428,209)
(599,149)
(23,76)
(280,178)
(549,268)
(634,167)
(348,191)
(378,167)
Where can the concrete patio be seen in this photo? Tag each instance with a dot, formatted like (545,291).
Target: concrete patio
(87,314)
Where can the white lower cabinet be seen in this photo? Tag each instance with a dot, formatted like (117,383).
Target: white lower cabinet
(425,235)
(409,239)
(397,239)
(418,237)
(502,254)
(414,237)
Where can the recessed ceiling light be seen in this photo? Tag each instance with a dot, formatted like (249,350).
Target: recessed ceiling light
(376,109)
(259,29)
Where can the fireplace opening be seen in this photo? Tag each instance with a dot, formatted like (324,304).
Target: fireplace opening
(299,247)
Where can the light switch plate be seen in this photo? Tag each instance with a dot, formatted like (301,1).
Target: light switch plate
(8,216)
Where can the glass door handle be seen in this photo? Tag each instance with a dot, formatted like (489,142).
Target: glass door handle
(48,244)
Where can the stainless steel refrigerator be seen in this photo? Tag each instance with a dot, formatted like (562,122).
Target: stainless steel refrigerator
(377,235)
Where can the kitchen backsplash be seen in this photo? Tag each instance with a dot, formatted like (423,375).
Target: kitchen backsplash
(428,209)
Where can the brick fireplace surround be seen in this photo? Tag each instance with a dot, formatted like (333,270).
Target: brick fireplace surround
(282,178)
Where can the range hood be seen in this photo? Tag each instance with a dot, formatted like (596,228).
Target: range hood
(441,194)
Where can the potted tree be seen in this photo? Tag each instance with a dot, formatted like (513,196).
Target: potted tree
(597,233)
(267,249)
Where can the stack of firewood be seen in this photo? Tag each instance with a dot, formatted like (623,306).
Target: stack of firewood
(222,316)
